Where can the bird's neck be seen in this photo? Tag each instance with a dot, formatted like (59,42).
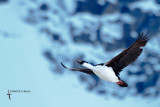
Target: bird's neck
(88,65)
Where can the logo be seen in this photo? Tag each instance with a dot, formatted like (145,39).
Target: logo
(16,91)
(9,95)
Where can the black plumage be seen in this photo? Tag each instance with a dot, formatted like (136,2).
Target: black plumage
(84,70)
(129,55)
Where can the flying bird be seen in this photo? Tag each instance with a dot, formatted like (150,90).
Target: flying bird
(110,70)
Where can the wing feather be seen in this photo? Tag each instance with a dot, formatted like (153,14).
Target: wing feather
(84,70)
(129,55)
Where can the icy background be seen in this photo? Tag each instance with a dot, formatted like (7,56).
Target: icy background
(36,35)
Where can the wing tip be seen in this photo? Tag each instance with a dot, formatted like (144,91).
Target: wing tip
(63,65)
(143,37)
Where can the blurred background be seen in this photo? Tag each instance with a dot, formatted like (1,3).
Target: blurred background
(37,35)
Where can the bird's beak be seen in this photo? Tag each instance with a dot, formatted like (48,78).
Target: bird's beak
(79,61)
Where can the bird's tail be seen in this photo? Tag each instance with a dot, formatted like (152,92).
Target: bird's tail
(122,83)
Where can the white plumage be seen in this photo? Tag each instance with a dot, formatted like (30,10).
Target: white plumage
(103,72)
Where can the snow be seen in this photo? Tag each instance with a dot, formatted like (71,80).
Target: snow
(126,18)
(116,35)
(154,44)
(112,1)
(146,6)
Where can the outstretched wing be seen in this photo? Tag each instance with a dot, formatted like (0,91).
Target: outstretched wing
(84,70)
(129,55)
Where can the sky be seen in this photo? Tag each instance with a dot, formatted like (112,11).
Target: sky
(24,67)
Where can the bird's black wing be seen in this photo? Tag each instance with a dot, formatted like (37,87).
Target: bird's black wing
(129,55)
(84,70)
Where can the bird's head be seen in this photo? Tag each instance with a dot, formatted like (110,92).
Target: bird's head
(81,62)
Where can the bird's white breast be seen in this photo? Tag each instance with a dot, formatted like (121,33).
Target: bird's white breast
(102,71)
(105,73)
